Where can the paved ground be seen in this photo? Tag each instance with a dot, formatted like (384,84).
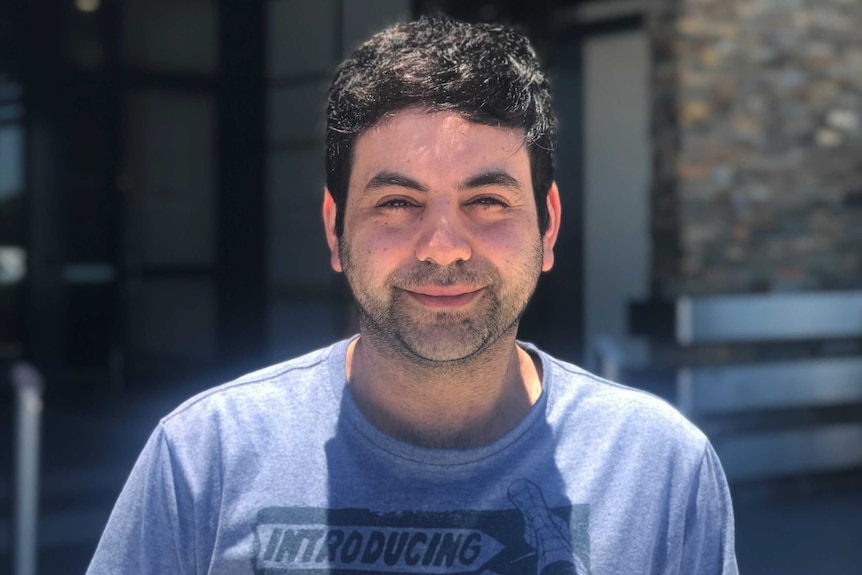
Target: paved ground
(89,447)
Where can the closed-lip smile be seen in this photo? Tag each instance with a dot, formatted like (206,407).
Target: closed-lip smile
(444,297)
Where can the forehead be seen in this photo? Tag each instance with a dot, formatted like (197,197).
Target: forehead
(416,138)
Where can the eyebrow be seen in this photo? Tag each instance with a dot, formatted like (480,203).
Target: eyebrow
(492,178)
(385,179)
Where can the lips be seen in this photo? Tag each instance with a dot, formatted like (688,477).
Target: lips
(444,297)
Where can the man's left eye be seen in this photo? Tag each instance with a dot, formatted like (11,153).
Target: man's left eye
(488,201)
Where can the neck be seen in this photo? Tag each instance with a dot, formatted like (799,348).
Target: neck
(454,405)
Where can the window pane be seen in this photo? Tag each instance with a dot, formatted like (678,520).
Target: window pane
(172,319)
(171,163)
(11,160)
(13,268)
(13,265)
(298,325)
(171,35)
(11,320)
(9,90)
(362,18)
(11,112)
(11,183)
(298,254)
(301,37)
(297,113)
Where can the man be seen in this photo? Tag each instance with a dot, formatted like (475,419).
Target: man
(433,442)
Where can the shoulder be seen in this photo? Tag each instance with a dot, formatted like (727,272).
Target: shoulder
(278,389)
(612,410)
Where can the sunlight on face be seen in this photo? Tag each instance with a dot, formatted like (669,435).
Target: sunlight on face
(441,245)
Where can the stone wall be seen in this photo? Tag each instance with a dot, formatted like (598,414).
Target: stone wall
(757,124)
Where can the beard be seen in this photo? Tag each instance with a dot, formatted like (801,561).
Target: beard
(396,322)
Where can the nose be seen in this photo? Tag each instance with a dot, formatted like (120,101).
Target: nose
(443,238)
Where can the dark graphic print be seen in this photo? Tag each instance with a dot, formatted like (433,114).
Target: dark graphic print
(530,539)
(548,534)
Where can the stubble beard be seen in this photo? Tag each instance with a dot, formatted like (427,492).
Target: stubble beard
(446,339)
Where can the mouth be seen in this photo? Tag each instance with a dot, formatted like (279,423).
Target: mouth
(444,297)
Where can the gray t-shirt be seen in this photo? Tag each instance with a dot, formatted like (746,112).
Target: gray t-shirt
(279,472)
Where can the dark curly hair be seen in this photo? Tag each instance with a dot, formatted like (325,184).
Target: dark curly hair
(488,73)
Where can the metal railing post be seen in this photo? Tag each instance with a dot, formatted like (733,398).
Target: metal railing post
(28,388)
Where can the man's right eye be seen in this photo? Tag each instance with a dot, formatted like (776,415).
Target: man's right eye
(396,204)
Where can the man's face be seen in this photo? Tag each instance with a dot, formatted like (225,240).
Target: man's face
(441,244)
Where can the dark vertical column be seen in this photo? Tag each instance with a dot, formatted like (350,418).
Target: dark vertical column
(89,116)
(116,208)
(241,188)
(42,72)
(559,298)
(666,141)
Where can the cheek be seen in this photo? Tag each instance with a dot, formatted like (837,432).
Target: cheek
(382,248)
(385,239)
(509,240)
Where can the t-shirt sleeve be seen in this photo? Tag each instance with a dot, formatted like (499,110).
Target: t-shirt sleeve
(708,544)
(146,532)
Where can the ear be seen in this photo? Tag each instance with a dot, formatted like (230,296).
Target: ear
(550,236)
(329,211)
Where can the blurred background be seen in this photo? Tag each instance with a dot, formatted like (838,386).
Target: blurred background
(161,175)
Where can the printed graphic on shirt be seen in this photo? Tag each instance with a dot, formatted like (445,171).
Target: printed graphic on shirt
(530,538)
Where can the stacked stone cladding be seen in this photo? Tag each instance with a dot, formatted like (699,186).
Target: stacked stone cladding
(757,130)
